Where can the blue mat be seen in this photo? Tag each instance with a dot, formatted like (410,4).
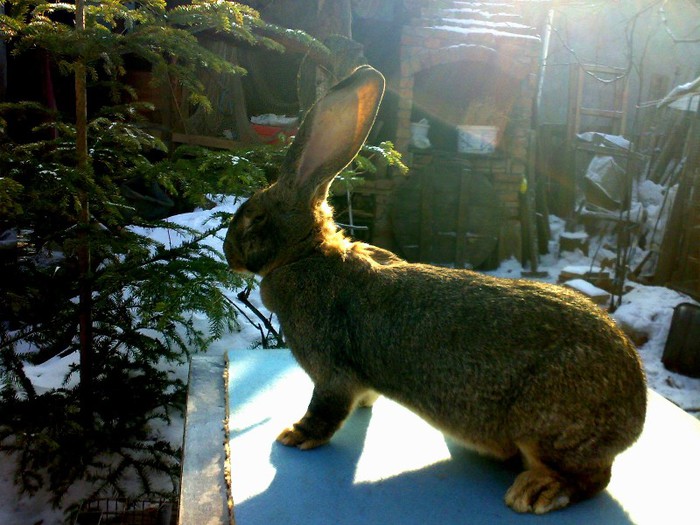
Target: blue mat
(387,466)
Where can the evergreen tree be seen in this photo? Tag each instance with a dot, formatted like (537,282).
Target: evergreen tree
(85,279)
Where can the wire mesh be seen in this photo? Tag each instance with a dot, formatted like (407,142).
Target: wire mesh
(105,511)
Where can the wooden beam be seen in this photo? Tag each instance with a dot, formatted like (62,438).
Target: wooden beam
(597,112)
(207,142)
(204,492)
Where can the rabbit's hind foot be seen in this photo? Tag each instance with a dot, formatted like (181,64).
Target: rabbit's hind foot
(540,490)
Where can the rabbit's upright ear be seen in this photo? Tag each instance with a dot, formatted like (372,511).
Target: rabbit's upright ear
(332,133)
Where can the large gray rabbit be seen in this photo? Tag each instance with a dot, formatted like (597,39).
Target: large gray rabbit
(508,367)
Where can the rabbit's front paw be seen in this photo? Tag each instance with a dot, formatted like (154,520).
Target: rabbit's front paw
(538,491)
(296,437)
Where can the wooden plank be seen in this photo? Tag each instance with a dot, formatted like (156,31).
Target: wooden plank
(574,97)
(675,131)
(672,251)
(609,70)
(462,219)
(687,263)
(204,494)
(603,150)
(510,241)
(669,252)
(207,142)
(598,112)
(622,103)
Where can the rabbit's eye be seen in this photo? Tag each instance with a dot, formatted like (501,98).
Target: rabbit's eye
(256,220)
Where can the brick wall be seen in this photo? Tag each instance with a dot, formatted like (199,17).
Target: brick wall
(426,47)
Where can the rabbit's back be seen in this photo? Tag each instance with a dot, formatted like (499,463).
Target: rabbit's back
(485,359)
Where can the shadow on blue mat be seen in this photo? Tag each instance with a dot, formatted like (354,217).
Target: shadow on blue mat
(318,487)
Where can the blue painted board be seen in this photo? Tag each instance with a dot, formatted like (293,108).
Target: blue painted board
(387,466)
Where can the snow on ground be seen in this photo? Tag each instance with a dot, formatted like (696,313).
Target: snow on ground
(646,309)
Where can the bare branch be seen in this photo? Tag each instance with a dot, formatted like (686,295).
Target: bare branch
(244,297)
(676,39)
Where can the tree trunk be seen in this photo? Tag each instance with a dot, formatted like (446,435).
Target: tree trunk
(83,252)
(334,18)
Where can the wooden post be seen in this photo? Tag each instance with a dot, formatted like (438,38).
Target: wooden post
(462,219)
(426,217)
(670,251)
(245,130)
(529,213)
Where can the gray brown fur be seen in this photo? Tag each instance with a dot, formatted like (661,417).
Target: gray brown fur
(510,367)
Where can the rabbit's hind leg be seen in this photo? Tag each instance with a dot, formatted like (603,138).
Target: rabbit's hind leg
(542,488)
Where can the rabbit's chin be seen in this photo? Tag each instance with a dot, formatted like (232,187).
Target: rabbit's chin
(241,269)
(257,264)
(238,265)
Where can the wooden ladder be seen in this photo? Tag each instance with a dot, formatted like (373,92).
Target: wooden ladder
(584,84)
